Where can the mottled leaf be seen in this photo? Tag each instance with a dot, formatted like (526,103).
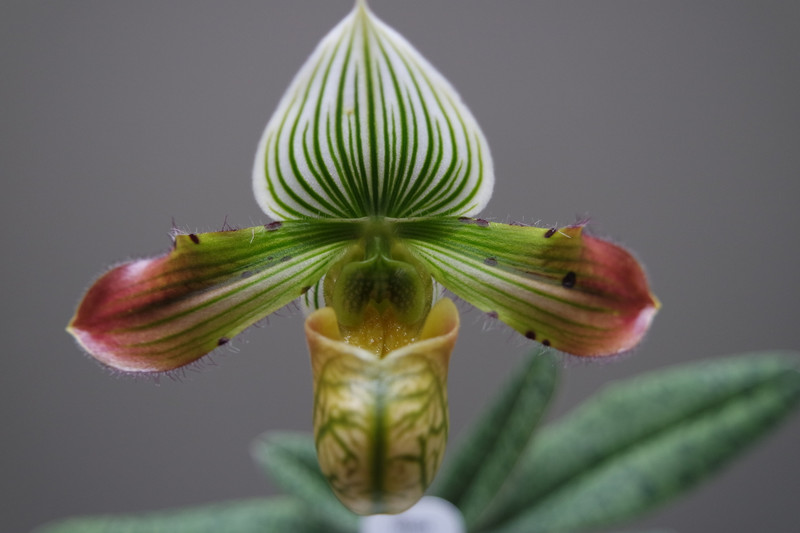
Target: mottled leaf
(275,515)
(486,456)
(290,459)
(644,441)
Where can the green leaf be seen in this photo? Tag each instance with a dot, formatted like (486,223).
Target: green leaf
(487,455)
(291,461)
(642,442)
(274,515)
(650,531)
(162,313)
(565,289)
(369,127)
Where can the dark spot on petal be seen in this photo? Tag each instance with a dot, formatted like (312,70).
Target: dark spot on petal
(195,238)
(223,340)
(492,314)
(272,226)
(530,334)
(285,258)
(270,258)
(569,280)
(466,220)
(490,261)
(305,289)
(482,223)
(546,342)
(247,274)
(550,233)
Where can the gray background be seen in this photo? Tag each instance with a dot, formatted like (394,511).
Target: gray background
(675,125)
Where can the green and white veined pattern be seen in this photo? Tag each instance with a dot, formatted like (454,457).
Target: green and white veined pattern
(372,167)
(381,423)
(369,128)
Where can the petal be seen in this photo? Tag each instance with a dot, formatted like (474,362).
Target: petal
(162,313)
(380,424)
(369,127)
(313,298)
(577,293)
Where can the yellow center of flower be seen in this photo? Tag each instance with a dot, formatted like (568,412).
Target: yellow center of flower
(380,332)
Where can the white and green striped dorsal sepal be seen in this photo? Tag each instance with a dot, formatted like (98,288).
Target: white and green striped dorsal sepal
(369,127)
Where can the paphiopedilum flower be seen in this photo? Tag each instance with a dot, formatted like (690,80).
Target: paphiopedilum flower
(372,170)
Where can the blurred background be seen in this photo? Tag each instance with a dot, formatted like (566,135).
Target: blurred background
(674,126)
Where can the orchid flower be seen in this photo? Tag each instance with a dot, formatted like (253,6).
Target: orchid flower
(372,169)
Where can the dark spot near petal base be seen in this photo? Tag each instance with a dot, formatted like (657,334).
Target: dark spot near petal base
(546,342)
(530,335)
(222,341)
(569,280)
(305,289)
(490,261)
(286,258)
(246,274)
(273,226)
(549,233)
(477,221)
(195,238)
(492,314)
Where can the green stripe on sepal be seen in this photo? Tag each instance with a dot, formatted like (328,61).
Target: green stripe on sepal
(162,313)
(641,442)
(247,516)
(369,127)
(577,293)
(313,298)
(491,449)
(291,461)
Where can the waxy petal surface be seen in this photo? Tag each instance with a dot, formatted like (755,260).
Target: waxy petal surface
(369,127)
(561,287)
(380,424)
(162,313)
